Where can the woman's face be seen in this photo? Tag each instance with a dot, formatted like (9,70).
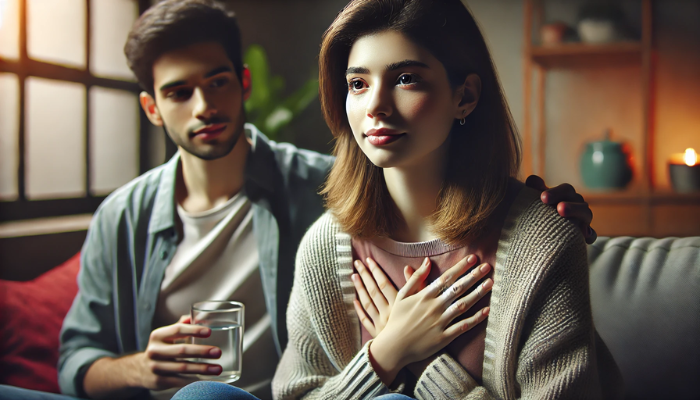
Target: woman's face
(400,104)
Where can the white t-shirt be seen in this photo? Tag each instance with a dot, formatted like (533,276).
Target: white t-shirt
(217,259)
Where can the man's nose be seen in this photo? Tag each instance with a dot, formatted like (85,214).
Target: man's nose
(380,103)
(204,107)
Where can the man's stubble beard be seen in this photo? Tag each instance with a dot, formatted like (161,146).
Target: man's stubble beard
(214,152)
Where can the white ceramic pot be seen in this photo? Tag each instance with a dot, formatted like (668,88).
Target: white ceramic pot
(597,31)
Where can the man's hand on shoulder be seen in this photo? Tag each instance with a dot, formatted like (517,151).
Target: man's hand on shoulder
(568,203)
(161,366)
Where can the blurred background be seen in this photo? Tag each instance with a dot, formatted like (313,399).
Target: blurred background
(606,96)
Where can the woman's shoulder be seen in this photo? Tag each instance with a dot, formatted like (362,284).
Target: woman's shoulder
(322,232)
(319,246)
(533,224)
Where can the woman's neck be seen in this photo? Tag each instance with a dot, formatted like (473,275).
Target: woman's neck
(415,190)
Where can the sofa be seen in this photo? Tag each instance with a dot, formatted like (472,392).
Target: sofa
(645,295)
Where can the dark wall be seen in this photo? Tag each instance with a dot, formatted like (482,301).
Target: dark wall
(290,32)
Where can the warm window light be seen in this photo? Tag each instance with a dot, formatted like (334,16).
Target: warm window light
(690,157)
(3,4)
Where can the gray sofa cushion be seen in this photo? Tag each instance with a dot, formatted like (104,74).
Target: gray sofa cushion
(645,295)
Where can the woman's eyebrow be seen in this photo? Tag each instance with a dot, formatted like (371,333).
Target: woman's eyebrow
(356,70)
(406,63)
(390,67)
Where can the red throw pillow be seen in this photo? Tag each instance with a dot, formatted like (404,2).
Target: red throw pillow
(32,314)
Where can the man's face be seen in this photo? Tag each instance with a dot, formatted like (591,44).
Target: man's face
(199,99)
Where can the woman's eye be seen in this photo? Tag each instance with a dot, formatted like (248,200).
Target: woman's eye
(407,79)
(356,85)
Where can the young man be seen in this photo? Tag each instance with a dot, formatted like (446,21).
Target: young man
(221,220)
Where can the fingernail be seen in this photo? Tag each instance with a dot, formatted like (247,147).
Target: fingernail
(471,258)
(358,264)
(485,268)
(204,331)
(426,261)
(214,369)
(353,277)
(486,310)
(487,284)
(215,352)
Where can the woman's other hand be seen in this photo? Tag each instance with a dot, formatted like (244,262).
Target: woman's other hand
(420,322)
(569,204)
(375,294)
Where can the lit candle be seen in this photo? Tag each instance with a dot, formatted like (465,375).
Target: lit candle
(685,171)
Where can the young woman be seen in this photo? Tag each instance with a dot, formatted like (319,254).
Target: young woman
(426,154)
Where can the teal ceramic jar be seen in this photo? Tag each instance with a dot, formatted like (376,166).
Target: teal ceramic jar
(604,166)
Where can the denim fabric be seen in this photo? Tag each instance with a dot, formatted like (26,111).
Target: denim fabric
(133,237)
(15,393)
(212,391)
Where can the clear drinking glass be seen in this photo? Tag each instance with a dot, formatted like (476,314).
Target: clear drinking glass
(226,321)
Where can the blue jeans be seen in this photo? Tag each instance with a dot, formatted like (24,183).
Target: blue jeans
(15,393)
(212,391)
(222,391)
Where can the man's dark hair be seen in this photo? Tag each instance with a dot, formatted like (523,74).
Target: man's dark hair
(173,24)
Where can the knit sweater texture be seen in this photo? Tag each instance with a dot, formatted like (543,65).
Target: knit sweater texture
(540,340)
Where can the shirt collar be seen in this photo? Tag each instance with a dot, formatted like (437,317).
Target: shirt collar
(260,165)
(259,173)
(163,215)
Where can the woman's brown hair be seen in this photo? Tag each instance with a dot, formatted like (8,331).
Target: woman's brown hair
(483,153)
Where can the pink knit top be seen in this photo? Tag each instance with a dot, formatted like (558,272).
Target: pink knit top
(393,256)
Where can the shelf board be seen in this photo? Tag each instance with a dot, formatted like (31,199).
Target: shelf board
(639,197)
(580,54)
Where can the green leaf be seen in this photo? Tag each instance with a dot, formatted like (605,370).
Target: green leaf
(265,106)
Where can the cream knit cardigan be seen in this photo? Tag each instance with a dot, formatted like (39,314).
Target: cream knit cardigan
(540,339)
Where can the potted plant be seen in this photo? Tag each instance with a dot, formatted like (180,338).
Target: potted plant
(266,107)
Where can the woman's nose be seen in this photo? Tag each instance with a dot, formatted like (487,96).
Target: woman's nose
(380,102)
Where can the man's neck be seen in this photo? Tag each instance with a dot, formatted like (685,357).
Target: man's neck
(204,184)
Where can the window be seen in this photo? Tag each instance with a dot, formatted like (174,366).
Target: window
(71,129)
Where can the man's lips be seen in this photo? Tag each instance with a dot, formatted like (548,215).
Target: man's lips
(209,131)
(383,136)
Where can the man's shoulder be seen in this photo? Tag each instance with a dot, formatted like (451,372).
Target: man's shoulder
(137,194)
(292,160)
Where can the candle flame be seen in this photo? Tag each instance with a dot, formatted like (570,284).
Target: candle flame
(690,157)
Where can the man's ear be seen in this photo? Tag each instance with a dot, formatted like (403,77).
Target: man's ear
(467,96)
(148,103)
(246,82)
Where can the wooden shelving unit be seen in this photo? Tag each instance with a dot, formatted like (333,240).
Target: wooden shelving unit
(581,54)
(640,210)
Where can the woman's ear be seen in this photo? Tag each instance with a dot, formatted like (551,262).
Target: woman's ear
(467,96)
(148,103)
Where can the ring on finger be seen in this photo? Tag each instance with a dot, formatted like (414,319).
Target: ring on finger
(451,292)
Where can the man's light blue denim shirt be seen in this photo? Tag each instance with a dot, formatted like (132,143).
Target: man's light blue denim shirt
(133,237)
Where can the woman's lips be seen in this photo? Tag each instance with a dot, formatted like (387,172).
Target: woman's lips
(383,136)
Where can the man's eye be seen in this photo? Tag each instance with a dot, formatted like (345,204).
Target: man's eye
(180,94)
(219,82)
